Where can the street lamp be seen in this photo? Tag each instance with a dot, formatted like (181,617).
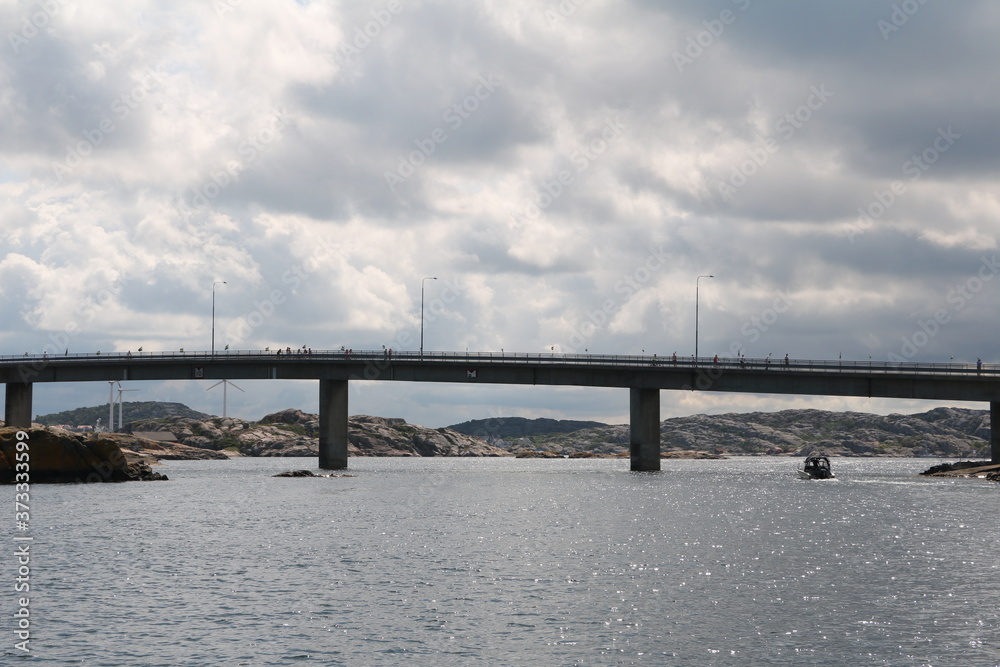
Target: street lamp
(217,282)
(422,316)
(696,288)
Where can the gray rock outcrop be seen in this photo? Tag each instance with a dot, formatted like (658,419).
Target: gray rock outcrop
(942,432)
(295,433)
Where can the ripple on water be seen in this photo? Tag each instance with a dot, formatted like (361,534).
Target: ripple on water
(503,561)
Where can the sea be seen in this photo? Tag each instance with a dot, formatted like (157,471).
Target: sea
(502,561)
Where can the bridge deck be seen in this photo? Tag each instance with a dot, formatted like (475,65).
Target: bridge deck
(941,381)
(642,375)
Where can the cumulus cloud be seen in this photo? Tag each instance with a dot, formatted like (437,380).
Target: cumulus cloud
(323,157)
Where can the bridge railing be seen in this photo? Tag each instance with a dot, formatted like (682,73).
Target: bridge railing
(709,363)
(504,357)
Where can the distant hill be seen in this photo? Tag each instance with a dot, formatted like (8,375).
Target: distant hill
(509,428)
(942,432)
(131,411)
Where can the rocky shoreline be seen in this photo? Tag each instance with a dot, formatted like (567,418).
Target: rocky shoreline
(52,455)
(292,433)
(969,469)
(186,434)
(58,456)
(937,433)
(548,454)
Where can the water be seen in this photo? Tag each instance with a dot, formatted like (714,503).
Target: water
(515,562)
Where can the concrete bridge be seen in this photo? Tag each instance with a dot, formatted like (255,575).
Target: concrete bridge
(643,376)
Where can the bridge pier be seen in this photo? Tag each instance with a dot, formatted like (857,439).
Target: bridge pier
(644,429)
(333,424)
(994,431)
(17,405)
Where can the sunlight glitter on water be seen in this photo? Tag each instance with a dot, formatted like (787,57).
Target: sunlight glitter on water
(503,561)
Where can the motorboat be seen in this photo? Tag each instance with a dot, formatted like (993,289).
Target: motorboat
(816,467)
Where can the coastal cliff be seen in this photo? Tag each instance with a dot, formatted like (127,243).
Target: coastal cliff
(52,455)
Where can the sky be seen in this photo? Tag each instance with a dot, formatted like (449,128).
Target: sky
(565,170)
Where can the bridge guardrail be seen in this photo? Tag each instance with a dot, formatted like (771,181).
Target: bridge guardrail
(411,356)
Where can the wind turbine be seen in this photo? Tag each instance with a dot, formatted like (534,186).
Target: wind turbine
(225,384)
(111,404)
(121,422)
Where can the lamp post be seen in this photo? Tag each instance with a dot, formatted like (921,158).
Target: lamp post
(217,282)
(697,286)
(422,316)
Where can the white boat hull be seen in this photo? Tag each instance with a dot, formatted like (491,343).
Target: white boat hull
(804,475)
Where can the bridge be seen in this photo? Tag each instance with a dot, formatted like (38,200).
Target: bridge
(644,376)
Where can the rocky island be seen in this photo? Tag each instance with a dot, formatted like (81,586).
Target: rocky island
(177,432)
(59,455)
(292,432)
(977,469)
(51,455)
(937,433)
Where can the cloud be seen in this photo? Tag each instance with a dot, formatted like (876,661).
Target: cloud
(323,157)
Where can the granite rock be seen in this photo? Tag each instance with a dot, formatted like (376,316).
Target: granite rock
(292,432)
(53,455)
